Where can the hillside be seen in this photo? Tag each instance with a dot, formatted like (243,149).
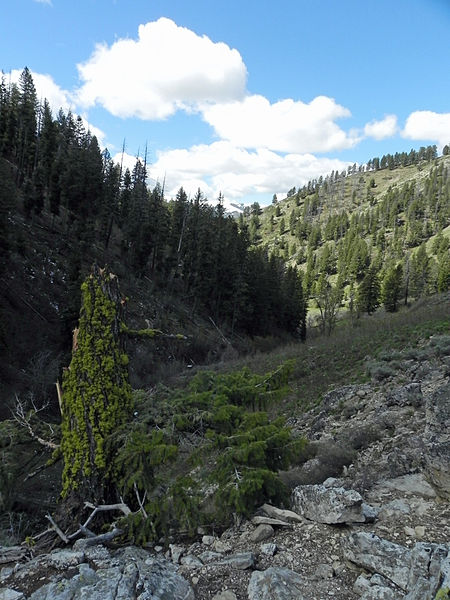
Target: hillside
(376,434)
(207,366)
(370,219)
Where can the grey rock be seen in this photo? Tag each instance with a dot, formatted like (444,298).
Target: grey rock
(191,561)
(5,572)
(225,595)
(276,583)
(62,559)
(209,556)
(221,547)
(425,570)
(98,556)
(329,505)
(324,571)
(129,573)
(394,507)
(412,484)
(419,571)
(241,561)
(370,513)
(9,594)
(282,514)
(406,395)
(269,549)
(361,585)
(208,540)
(269,521)
(379,556)
(176,552)
(437,441)
(261,533)
(378,592)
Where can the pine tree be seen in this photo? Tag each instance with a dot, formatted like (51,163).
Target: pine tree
(420,272)
(27,131)
(368,293)
(391,288)
(7,201)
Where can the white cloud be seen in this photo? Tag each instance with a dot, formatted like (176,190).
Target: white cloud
(48,2)
(221,167)
(165,69)
(380,130)
(285,126)
(57,98)
(428,125)
(47,88)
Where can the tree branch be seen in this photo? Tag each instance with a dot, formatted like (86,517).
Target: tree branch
(24,419)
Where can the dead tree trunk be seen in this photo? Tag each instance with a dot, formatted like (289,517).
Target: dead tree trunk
(96,394)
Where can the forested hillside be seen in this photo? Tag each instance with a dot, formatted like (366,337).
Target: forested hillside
(375,234)
(65,205)
(196,286)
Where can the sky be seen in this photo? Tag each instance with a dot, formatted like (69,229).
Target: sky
(247,98)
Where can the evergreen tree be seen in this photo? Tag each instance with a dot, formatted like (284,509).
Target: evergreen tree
(420,272)
(27,111)
(368,293)
(443,272)
(7,202)
(391,288)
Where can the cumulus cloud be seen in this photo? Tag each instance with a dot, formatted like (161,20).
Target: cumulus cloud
(58,98)
(167,68)
(236,172)
(285,126)
(380,130)
(47,88)
(428,125)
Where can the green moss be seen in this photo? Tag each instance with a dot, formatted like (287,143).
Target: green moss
(96,396)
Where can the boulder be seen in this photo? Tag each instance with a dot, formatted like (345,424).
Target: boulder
(331,505)
(269,521)
(279,513)
(127,573)
(437,441)
(425,571)
(242,561)
(379,556)
(420,572)
(276,583)
(261,533)
(269,549)
(225,595)
(9,594)
(406,395)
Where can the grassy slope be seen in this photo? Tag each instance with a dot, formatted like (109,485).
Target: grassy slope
(323,363)
(341,198)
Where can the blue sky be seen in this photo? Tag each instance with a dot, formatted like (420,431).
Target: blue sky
(248,98)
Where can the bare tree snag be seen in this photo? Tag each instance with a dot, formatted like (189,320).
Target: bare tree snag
(96,394)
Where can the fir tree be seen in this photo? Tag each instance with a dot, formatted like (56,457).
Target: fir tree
(391,288)
(368,293)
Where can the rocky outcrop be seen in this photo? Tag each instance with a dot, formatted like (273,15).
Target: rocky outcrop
(397,432)
(98,574)
(437,441)
(379,556)
(276,584)
(332,505)
(420,572)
